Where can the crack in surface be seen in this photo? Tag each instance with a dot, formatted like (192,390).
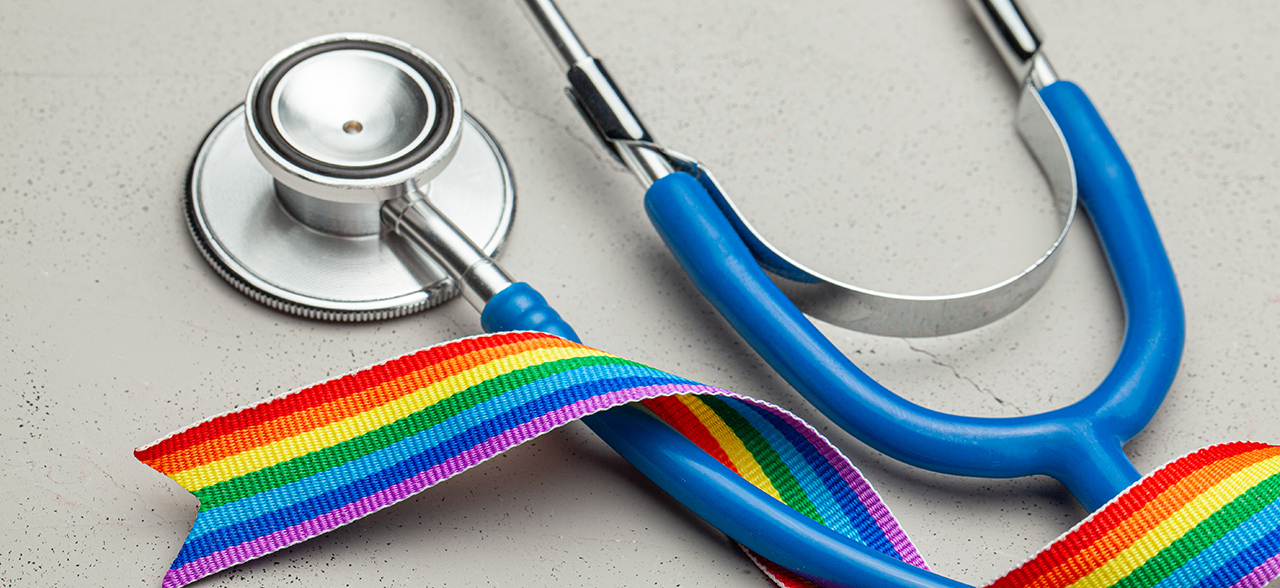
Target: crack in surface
(590,147)
(938,362)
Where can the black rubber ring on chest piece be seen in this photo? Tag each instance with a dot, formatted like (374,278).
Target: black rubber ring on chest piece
(265,122)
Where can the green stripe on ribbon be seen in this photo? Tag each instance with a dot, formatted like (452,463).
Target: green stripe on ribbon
(1209,531)
(776,469)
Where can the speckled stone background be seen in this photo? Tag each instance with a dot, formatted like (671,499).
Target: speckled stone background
(871,139)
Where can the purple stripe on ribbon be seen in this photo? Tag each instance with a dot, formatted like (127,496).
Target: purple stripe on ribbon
(1265,572)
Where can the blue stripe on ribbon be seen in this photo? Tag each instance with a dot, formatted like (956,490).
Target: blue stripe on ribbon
(1235,554)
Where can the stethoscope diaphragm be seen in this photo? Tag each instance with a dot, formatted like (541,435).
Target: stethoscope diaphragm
(285,193)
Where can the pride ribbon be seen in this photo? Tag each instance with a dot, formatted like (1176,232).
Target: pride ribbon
(301,464)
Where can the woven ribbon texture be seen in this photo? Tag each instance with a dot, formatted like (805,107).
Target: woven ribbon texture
(298,465)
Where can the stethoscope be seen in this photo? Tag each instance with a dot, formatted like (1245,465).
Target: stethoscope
(352,186)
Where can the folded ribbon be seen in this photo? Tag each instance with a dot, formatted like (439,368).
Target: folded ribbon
(301,464)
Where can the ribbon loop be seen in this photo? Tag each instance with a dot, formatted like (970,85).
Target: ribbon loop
(304,463)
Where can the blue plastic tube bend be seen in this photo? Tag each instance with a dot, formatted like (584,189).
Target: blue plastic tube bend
(1080,445)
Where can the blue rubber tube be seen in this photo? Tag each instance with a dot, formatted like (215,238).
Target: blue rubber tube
(1081,445)
(711,490)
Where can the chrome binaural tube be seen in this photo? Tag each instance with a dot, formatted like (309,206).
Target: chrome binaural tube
(1017,39)
(557,33)
(597,97)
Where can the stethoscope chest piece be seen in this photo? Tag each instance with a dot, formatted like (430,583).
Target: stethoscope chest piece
(286,193)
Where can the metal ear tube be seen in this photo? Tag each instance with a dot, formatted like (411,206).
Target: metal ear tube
(1017,39)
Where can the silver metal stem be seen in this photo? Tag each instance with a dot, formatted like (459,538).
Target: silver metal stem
(557,33)
(413,217)
(647,165)
(598,99)
(1017,39)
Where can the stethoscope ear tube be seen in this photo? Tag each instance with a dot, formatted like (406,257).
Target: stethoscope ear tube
(1109,192)
(1080,445)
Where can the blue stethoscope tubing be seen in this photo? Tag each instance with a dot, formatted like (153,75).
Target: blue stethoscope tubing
(1080,445)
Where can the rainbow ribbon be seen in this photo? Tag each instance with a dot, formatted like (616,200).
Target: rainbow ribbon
(301,464)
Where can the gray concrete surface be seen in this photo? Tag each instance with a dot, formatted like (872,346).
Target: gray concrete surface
(872,139)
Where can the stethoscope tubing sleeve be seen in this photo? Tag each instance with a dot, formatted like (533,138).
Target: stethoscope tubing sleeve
(1155,329)
(1155,325)
(712,491)
(1080,445)
(519,307)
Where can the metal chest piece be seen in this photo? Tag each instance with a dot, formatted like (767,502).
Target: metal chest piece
(285,195)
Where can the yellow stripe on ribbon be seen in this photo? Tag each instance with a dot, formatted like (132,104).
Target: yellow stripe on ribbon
(1178,524)
(738,453)
(263,457)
